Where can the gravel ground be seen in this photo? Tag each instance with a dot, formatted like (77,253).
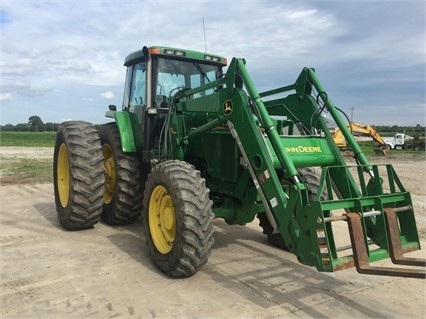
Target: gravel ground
(27,152)
(106,272)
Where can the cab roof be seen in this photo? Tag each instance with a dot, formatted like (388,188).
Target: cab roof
(176,53)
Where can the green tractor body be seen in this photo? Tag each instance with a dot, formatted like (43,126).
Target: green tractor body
(201,143)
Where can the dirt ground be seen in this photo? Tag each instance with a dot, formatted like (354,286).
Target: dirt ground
(105,272)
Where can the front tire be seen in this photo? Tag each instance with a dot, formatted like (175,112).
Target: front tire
(123,191)
(177,218)
(78,175)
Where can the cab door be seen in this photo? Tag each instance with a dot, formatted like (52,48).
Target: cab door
(134,98)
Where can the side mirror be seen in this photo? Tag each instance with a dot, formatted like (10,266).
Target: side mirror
(112,107)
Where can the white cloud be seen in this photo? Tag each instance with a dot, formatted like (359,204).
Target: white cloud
(66,50)
(22,66)
(22,87)
(108,95)
(4,97)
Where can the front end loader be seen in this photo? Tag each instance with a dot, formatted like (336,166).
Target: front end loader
(193,143)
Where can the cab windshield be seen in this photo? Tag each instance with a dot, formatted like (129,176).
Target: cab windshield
(174,75)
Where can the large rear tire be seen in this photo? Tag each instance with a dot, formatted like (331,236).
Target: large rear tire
(178,219)
(78,175)
(311,177)
(123,191)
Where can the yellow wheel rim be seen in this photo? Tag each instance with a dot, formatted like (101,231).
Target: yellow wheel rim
(162,219)
(109,170)
(63,175)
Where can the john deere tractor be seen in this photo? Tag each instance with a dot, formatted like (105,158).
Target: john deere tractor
(193,143)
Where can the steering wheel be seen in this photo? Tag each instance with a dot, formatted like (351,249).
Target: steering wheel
(180,87)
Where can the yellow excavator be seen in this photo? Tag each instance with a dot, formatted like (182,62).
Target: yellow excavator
(361,130)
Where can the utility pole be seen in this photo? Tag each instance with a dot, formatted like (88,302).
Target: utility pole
(352,109)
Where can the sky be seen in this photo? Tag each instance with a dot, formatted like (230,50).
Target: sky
(63,60)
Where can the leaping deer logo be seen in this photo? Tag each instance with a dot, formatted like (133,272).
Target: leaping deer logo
(227,107)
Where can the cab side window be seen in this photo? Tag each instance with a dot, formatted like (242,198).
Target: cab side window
(134,97)
(138,86)
(127,87)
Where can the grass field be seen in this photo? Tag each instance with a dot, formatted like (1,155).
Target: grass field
(32,139)
(47,139)
(17,170)
(20,168)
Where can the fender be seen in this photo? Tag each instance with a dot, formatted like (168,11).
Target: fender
(129,129)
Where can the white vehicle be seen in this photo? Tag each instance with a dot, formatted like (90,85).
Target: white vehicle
(396,142)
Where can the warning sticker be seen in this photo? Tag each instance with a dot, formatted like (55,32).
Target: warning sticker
(321,237)
(273,202)
(320,233)
(262,177)
(324,251)
(326,263)
(267,174)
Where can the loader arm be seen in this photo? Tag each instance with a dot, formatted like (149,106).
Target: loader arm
(305,224)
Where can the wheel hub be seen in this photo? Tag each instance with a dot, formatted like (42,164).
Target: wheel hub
(63,175)
(168,219)
(162,219)
(109,171)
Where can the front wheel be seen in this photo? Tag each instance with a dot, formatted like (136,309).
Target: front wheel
(177,218)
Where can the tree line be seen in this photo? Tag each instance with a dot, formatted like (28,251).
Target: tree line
(35,124)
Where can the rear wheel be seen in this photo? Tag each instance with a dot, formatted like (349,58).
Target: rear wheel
(311,177)
(78,177)
(178,219)
(123,192)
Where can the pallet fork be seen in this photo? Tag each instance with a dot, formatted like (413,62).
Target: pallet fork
(360,249)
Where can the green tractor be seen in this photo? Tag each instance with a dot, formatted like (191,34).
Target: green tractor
(193,143)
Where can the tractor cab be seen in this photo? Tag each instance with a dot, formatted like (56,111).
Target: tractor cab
(154,75)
